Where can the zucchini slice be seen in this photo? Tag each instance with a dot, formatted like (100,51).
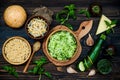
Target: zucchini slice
(81,66)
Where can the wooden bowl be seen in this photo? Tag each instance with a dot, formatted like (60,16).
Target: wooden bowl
(84,28)
(62,62)
(38,37)
(16,50)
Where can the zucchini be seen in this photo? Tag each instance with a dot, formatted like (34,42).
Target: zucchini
(94,53)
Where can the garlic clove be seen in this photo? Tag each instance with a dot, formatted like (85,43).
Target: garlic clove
(90,41)
(71,70)
(92,72)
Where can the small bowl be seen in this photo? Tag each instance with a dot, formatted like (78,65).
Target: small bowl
(16,50)
(41,36)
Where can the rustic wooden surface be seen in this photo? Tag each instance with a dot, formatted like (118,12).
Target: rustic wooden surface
(111,8)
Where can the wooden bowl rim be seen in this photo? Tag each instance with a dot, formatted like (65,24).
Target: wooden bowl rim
(64,62)
(29,19)
(11,38)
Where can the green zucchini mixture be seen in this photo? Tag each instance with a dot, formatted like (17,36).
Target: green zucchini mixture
(62,45)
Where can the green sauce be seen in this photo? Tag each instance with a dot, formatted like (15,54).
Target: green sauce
(62,45)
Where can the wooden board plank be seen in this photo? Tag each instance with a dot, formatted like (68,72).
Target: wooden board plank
(111,9)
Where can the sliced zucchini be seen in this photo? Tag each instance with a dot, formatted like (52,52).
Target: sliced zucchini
(85,63)
(90,60)
(81,66)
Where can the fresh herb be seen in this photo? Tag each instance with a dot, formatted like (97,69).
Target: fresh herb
(64,15)
(69,26)
(85,11)
(11,70)
(38,68)
(109,26)
(71,10)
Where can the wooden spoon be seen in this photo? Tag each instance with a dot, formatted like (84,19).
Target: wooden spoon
(36,47)
(90,41)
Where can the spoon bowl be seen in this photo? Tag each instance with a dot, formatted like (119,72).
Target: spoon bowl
(36,46)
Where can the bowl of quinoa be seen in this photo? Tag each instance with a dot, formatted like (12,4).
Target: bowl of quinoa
(16,50)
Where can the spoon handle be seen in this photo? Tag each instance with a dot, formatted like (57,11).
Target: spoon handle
(26,67)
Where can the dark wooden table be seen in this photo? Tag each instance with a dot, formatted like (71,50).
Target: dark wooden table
(111,8)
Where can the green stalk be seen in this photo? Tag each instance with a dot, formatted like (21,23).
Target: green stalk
(65,19)
(40,77)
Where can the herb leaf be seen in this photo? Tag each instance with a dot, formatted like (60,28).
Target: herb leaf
(64,15)
(72,14)
(38,68)
(11,70)
(85,12)
(41,70)
(82,11)
(48,74)
(109,25)
(35,70)
(40,62)
(71,10)
(114,22)
(69,26)
(70,7)
(109,31)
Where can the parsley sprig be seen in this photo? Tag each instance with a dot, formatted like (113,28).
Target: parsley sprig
(64,15)
(11,70)
(38,68)
(71,10)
